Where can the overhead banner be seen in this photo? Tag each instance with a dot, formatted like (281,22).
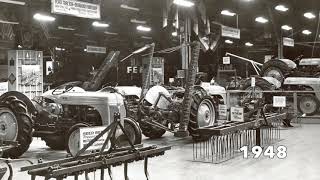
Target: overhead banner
(76,8)
(288,42)
(230,32)
(96,49)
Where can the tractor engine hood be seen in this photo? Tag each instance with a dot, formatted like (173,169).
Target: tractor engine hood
(78,96)
(302,81)
(310,62)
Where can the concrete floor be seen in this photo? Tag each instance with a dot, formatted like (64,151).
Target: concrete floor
(302,162)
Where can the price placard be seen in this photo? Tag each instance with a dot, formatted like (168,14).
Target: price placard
(279,101)
(88,133)
(253,82)
(237,114)
(222,110)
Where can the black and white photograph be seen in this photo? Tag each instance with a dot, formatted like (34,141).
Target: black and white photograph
(159,89)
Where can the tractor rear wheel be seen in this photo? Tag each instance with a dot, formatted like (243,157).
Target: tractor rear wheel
(203,113)
(57,142)
(308,104)
(15,125)
(276,69)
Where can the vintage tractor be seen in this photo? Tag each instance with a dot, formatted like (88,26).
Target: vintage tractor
(57,115)
(302,74)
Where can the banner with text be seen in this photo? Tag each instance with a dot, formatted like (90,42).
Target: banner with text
(230,32)
(76,8)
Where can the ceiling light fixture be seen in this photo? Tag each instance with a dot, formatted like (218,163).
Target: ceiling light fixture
(146,37)
(228,41)
(111,33)
(249,44)
(124,6)
(183,3)
(100,24)
(227,13)
(262,20)
(306,32)
(174,34)
(42,17)
(143,28)
(309,15)
(8,22)
(13,2)
(286,27)
(138,21)
(281,8)
(60,49)
(66,28)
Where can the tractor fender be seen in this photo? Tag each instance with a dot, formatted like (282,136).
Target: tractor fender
(273,81)
(290,63)
(313,83)
(31,108)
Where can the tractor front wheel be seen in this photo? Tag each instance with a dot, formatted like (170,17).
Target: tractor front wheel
(57,142)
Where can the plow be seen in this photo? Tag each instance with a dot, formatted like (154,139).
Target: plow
(104,159)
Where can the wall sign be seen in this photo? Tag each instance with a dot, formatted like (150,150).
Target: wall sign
(230,32)
(76,8)
(288,42)
(3,87)
(279,101)
(96,49)
(237,114)
(226,60)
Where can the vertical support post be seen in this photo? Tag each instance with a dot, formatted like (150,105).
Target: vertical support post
(295,105)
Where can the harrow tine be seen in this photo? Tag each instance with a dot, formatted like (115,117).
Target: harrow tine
(76,176)
(33,177)
(102,174)
(86,173)
(126,171)
(110,173)
(146,168)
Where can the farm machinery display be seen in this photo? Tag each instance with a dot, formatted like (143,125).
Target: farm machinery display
(58,114)
(300,75)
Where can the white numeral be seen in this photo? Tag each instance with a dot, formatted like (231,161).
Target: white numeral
(269,152)
(257,151)
(282,152)
(244,149)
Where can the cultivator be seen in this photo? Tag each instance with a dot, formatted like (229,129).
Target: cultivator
(84,164)
(227,138)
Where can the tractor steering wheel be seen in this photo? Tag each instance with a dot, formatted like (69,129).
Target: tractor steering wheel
(64,88)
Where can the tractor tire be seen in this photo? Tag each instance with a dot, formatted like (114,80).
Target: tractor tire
(261,85)
(133,131)
(276,69)
(55,142)
(150,131)
(203,113)
(21,131)
(308,104)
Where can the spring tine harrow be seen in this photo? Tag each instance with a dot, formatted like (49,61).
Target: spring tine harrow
(99,160)
(227,138)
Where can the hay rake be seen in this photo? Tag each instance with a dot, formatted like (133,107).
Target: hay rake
(227,138)
(83,164)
